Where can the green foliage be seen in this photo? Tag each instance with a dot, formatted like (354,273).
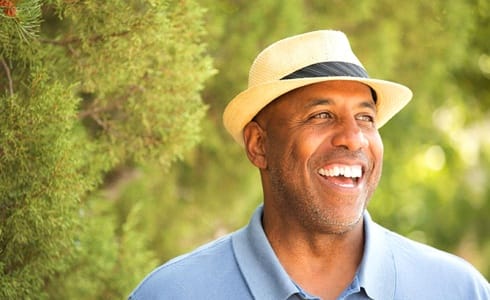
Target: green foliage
(105,265)
(140,66)
(97,88)
(19,30)
(39,185)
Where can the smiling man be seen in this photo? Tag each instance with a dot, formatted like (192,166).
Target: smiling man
(309,122)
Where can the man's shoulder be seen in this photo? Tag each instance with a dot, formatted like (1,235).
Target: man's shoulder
(206,268)
(420,264)
(204,254)
(408,250)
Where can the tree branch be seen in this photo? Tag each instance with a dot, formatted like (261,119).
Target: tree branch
(95,38)
(9,77)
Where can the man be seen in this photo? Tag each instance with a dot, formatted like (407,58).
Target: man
(309,122)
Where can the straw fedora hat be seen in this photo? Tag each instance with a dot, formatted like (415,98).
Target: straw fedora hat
(301,60)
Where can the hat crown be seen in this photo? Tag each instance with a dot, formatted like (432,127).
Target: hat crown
(291,54)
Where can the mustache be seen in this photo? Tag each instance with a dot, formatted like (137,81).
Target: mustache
(341,154)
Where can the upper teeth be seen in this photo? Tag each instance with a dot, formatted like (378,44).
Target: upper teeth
(346,171)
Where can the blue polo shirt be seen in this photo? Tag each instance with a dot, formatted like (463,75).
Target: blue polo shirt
(242,265)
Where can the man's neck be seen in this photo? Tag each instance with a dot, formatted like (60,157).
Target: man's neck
(322,264)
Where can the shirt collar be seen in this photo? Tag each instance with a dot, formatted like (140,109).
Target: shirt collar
(377,269)
(265,276)
(267,279)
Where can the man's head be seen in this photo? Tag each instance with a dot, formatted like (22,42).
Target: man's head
(309,121)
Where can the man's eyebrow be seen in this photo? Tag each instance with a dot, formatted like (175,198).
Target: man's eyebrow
(319,101)
(368,103)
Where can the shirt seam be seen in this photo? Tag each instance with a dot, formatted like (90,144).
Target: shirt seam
(395,267)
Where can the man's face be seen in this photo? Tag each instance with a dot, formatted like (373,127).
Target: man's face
(322,155)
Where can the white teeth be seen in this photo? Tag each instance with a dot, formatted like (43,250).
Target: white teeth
(346,171)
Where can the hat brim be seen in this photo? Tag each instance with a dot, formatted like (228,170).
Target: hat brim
(391,98)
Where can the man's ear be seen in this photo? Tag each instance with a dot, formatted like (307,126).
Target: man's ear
(254,139)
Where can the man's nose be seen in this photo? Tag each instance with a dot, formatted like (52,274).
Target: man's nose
(350,136)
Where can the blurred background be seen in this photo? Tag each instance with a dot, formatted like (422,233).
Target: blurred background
(113,157)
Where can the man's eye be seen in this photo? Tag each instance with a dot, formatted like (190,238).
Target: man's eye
(366,118)
(322,115)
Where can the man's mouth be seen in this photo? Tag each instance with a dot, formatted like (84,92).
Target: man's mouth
(342,175)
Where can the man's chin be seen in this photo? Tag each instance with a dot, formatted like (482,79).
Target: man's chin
(340,227)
